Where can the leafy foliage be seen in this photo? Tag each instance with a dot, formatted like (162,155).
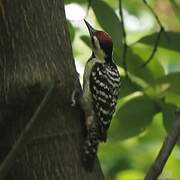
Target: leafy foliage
(149,96)
(168,40)
(176,8)
(104,14)
(130,120)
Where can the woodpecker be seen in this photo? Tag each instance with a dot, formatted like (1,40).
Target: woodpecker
(101,84)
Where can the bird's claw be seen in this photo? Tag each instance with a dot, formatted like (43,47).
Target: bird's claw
(75,96)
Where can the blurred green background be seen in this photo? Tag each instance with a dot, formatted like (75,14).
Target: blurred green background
(148,101)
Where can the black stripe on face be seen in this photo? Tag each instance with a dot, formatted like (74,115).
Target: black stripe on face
(93,43)
(107,48)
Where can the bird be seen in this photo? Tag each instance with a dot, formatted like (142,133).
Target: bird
(101,85)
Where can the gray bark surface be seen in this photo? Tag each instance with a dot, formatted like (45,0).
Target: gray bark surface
(34,51)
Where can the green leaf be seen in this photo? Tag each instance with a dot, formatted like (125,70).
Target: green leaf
(164,86)
(157,90)
(86,40)
(168,40)
(170,60)
(144,52)
(130,174)
(127,87)
(71,31)
(176,8)
(108,20)
(133,117)
(173,80)
(75,1)
(134,65)
(173,98)
(117,56)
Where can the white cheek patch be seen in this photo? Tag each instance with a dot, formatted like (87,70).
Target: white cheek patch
(99,53)
(96,42)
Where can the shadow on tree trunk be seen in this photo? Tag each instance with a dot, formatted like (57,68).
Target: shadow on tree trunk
(34,51)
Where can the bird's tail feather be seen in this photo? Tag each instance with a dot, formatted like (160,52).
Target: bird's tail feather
(90,148)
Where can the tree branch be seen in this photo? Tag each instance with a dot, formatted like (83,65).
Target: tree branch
(17,147)
(158,36)
(125,46)
(154,14)
(166,149)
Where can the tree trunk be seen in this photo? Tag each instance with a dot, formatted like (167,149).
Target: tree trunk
(34,51)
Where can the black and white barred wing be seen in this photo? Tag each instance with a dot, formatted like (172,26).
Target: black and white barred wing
(104,86)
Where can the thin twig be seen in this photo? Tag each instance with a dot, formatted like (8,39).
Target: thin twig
(166,149)
(162,30)
(125,46)
(154,49)
(152,11)
(157,19)
(21,141)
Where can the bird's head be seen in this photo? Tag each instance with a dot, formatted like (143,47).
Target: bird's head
(102,44)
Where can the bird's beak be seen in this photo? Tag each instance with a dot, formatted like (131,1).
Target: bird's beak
(90,28)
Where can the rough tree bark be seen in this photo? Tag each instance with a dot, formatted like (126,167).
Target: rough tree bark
(34,51)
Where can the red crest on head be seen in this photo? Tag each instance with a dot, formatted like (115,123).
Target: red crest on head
(103,37)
